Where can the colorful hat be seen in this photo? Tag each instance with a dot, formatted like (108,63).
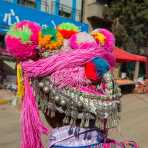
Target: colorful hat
(57,83)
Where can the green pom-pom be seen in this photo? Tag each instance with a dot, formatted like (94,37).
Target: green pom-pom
(23,33)
(50,31)
(69,26)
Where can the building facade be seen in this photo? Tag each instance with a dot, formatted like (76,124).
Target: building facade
(45,12)
(54,11)
(95,14)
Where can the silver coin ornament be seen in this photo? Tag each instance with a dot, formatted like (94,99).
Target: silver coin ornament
(80,105)
(63,102)
(41,84)
(57,99)
(46,89)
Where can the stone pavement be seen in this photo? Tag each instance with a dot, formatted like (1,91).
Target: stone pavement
(9,127)
(133,126)
(134,120)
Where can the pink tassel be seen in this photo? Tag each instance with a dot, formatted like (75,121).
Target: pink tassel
(31,125)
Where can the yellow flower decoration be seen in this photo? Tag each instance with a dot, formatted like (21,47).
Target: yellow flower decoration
(56,44)
(44,40)
(50,39)
(99,37)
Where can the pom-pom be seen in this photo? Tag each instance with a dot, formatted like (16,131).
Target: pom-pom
(22,39)
(50,39)
(101,64)
(91,72)
(104,38)
(82,40)
(67,29)
(96,68)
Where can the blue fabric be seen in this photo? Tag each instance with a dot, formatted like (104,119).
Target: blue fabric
(88,146)
(102,65)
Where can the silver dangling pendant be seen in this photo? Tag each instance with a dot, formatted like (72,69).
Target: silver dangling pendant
(102,124)
(74,122)
(111,116)
(66,120)
(67,117)
(115,115)
(109,123)
(82,123)
(74,115)
(86,123)
(115,118)
(97,122)
(71,121)
(52,114)
(51,107)
(112,121)
(87,119)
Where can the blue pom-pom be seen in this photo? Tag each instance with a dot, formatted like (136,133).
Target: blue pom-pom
(102,65)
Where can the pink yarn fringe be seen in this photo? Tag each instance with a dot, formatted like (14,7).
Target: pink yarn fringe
(31,125)
(66,68)
(72,77)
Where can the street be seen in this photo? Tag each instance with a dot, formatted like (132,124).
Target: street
(133,125)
